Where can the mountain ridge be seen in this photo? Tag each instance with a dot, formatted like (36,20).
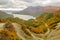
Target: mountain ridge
(34,11)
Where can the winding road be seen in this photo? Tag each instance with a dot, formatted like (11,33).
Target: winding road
(53,35)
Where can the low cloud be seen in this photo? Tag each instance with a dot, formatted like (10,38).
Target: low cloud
(22,4)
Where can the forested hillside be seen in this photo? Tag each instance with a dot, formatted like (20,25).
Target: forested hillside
(31,29)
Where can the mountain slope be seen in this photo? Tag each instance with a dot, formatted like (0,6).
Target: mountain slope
(4,15)
(35,11)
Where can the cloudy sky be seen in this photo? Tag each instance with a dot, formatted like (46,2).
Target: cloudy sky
(22,4)
(19,5)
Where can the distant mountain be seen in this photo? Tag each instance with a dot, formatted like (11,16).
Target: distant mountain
(4,15)
(56,4)
(34,11)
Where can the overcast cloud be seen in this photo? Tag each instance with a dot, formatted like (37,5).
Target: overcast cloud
(22,4)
